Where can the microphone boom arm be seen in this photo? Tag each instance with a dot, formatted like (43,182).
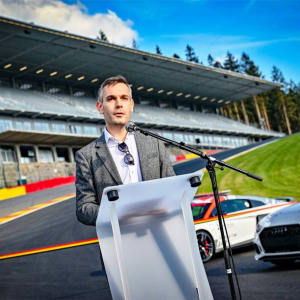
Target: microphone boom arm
(182,145)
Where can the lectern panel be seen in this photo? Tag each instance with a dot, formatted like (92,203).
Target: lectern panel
(148,241)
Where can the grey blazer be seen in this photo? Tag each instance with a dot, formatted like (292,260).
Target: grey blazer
(96,170)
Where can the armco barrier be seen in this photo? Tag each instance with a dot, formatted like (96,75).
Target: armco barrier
(47,184)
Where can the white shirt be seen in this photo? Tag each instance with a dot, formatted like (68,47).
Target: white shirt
(128,173)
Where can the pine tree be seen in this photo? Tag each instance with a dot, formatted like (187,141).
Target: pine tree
(176,56)
(210,60)
(218,65)
(134,44)
(158,50)
(292,100)
(281,102)
(190,54)
(102,36)
(231,63)
(248,67)
(277,75)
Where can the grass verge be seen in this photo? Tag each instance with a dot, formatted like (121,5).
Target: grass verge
(278,163)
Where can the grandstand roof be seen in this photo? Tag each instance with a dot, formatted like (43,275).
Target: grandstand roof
(33,53)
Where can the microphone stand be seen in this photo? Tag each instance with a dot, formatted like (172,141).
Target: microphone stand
(210,166)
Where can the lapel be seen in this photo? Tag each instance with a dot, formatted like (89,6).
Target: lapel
(104,154)
(141,144)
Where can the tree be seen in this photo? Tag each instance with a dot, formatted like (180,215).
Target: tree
(218,65)
(134,44)
(176,56)
(257,104)
(158,50)
(281,101)
(102,36)
(277,75)
(210,60)
(190,54)
(293,104)
(231,63)
(248,67)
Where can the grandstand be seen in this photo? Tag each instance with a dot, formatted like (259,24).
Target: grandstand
(48,86)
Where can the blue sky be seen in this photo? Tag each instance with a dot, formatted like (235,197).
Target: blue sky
(268,31)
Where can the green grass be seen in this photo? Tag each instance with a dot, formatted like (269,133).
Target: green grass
(278,163)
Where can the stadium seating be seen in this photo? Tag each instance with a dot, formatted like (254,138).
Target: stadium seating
(35,101)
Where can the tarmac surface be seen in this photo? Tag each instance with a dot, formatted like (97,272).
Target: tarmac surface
(75,273)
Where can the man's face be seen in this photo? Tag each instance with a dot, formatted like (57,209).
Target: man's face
(117,104)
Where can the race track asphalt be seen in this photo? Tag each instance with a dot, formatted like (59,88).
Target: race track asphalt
(75,273)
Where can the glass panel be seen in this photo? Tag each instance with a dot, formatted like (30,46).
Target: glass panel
(59,127)
(5,125)
(178,137)
(62,154)
(41,126)
(199,210)
(167,135)
(77,129)
(23,125)
(256,203)
(231,206)
(8,154)
(189,139)
(27,154)
(91,130)
(225,140)
(45,155)
(217,140)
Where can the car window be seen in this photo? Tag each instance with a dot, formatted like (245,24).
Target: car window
(256,203)
(199,210)
(231,206)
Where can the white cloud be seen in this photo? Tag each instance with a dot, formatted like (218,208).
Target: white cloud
(221,58)
(242,45)
(75,19)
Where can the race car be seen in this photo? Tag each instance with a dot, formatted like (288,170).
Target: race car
(241,214)
(277,238)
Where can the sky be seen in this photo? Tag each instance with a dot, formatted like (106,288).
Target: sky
(268,31)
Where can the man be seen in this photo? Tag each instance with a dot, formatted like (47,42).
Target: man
(116,157)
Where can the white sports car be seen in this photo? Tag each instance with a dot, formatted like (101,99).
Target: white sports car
(241,214)
(277,238)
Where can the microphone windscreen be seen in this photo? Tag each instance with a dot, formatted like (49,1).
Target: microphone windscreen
(130,126)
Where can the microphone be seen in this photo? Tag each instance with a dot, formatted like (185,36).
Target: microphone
(130,127)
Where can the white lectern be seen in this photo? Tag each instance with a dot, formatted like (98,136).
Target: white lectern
(148,241)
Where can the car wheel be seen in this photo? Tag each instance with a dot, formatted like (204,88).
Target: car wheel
(282,263)
(206,245)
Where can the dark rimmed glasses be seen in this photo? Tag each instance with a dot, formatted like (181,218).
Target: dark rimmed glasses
(128,158)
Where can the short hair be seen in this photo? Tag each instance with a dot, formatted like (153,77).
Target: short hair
(112,81)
